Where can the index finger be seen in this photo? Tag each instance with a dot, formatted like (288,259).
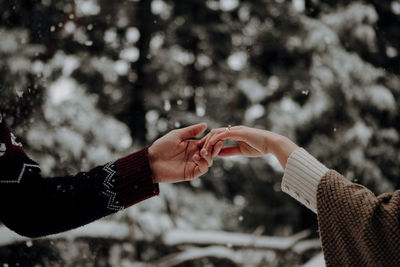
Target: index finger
(234,134)
(191,131)
(206,151)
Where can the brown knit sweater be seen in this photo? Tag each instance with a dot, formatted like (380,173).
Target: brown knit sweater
(356,227)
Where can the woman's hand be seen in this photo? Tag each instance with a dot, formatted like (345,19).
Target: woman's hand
(251,142)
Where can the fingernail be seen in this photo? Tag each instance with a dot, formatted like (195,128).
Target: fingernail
(205,153)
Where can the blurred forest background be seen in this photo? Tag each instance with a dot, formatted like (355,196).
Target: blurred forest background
(84,82)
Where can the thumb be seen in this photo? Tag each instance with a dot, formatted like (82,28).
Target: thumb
(192,131)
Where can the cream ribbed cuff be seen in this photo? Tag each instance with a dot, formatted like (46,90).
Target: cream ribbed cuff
(301,178)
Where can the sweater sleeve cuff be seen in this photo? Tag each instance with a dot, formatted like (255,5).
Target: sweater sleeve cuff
(135,179)
(301,177)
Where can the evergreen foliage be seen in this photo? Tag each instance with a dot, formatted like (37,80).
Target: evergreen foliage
(98,78)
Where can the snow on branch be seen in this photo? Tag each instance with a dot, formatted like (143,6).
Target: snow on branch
(98,229)
(237,247)
(306,245)
(316,261)
(198,253)
(193,237)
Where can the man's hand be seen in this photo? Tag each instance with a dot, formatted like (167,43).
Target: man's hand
(175,158)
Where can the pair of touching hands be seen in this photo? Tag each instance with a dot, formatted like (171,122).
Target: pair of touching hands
(177,156)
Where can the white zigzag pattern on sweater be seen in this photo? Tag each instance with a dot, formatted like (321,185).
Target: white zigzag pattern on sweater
(111,200)
(21,175)
(107,168)
(112,203)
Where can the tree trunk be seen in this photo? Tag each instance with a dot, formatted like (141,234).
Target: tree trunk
(134,116)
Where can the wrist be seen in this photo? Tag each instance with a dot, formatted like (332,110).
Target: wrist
(151,155)
(282,148)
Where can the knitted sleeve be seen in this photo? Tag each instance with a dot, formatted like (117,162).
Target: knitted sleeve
(33,206)
(356,227)
(301,177)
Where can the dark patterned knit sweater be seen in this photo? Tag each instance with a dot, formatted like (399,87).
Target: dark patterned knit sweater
(34,206)
(356,227)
